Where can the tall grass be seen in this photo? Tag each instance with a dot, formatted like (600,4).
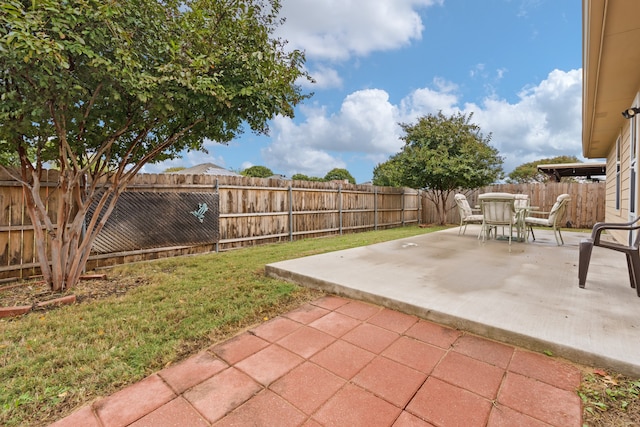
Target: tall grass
(56,361)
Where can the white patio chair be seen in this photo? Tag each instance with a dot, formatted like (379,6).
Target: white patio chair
(522,203)
(498,209)
(466,213)
(553,220)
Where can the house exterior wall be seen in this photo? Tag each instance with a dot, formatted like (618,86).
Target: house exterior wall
(613,214)
(611,84)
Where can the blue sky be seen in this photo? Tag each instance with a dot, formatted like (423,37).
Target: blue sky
(514,64)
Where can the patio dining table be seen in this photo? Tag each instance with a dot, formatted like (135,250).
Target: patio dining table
(519,209)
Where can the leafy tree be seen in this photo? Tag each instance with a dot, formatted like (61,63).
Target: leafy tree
(528,172)
(442,155)
(388,174)
(98,89)
(340,175)
(9,158)
(257,172)
(302,177)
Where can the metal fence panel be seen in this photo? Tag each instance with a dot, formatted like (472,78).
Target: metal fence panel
(142,220)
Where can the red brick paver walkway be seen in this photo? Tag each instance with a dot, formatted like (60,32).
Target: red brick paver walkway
(339,362)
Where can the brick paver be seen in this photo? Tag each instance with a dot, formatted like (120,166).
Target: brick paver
(337,362)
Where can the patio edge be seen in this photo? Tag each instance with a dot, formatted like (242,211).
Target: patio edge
(528,342)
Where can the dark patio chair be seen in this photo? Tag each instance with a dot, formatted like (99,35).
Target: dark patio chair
(631,250)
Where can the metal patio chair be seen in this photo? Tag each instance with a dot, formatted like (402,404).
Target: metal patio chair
(521,201)
(498,209)
(553,220)
(631,250)
(466,213)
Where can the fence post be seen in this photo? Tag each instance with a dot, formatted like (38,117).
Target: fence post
(216,187)
(290,213)
(375,208)
(402,207)
(340,208)
(420,210)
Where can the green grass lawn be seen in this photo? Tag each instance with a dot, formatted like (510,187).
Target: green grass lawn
(53,362)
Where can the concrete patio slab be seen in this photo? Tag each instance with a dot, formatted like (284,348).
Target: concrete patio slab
(528,297)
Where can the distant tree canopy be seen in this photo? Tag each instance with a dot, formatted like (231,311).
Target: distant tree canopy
(528,172)
(340,175)
(388,174)
(303,177)
(441,155)
(257,172)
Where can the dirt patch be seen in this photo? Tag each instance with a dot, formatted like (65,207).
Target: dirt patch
(609,399)
(36,294)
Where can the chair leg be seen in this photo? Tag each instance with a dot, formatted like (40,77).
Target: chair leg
(635,264)
(556,233)
(633,271)
(532,234)
(485,232)
(584,257)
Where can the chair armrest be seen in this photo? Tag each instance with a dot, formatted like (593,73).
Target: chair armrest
(599,227)
(542,213)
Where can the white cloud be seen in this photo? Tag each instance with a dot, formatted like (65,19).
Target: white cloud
(293,151)
(443,97)
(366,125)
(477,71)
(338,29)
(544,122)
(526,6)
(246,165)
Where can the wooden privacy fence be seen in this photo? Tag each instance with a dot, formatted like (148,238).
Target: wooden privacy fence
(249,211)
(252,211)
(587,204)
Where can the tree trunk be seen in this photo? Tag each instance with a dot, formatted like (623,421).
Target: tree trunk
(439,198)
(63,247)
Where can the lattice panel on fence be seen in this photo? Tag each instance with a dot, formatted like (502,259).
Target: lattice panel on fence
(143,220)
